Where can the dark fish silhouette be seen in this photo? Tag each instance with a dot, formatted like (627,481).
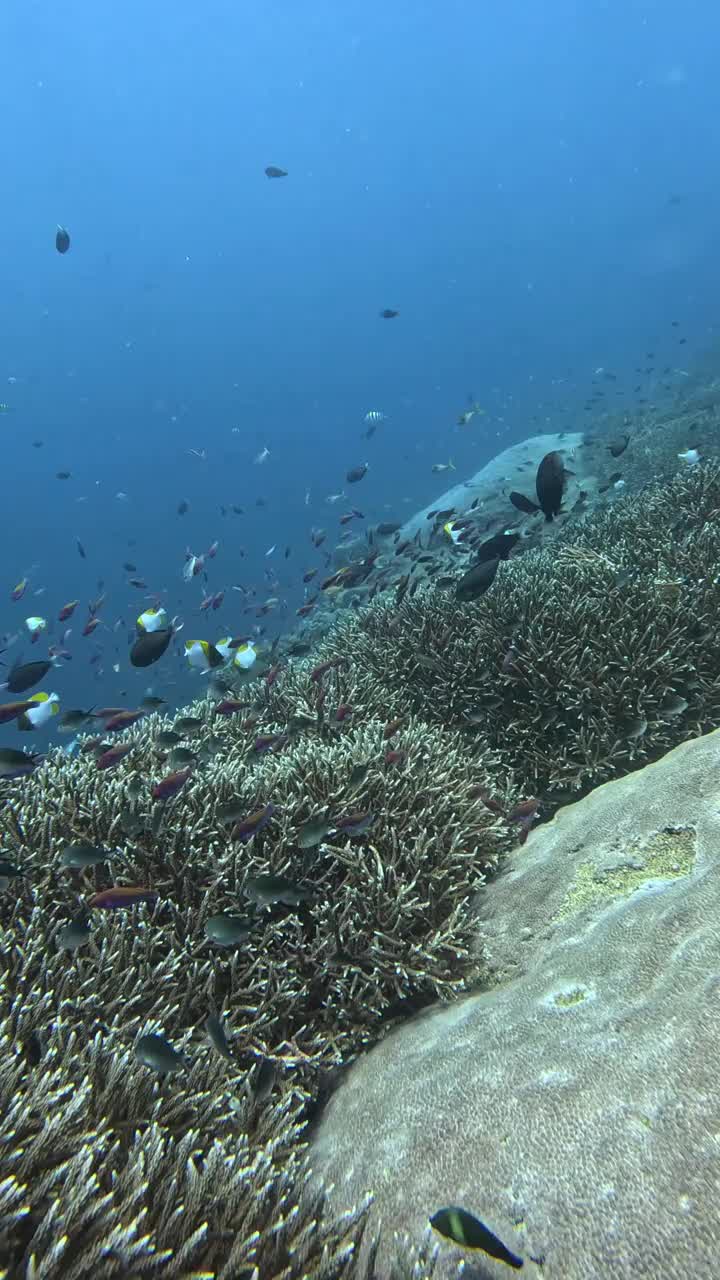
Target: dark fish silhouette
(27,674)
(477,580)
(150,646)
(464,1229)
(62,240)
(550,484)
(272,171)
(499,546)
(523,504)
(388,314)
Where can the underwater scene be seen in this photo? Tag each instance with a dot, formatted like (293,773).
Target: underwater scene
(360,644)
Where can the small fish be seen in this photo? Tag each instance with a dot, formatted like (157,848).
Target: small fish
(374,416)
(62,240)
(123,720)
(313,833)
(550,484)
(248,827)
(122,895)
(330,664)
(19,589)
(263,1080)
(151,702)
(388,314)
(229,707)
(183,507)
(63,475)
(673,705)
(180,758)
(113,755)
(187,725)
(387,528)
(468,414)
(17,764)
(690,457)
(232,811)
(81,549)
(439,467)
(523,809)
(264,890)
(227,930)
(524,504)
(633,728)
(392,727)
(217,1037)
(23,676)
(171,784)
(356,473)
(477,580)
(82,855)
(74,934)
(463,1228)
(358,773)
(354,824)
(156,1052)
(68,610)
(395,757)
(11,710)
(150,646)
(272,171)
(167,739)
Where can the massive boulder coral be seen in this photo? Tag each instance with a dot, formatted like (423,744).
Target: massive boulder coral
(107,1168)
(574,1105)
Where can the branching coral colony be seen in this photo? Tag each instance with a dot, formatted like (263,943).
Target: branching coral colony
(308,883)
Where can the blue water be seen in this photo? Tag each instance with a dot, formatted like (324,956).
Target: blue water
(533,186)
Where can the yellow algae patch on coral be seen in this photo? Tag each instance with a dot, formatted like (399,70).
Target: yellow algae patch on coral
(666,855)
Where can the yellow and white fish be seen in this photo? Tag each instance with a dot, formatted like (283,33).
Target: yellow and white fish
(152,620)
(438,467)
(223,647)
(452,531)
(245,657)
(35,626)
(202,656)
(46,706)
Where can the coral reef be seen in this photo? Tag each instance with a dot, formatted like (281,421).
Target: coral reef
(416,725)
(573,1105)
(108,1168)
(576,665)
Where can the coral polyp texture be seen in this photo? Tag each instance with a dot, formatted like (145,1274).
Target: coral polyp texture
(111,1168)
(585,659)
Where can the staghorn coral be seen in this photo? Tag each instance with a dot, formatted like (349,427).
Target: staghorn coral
(108,1169)
(573,1105)
(570,645)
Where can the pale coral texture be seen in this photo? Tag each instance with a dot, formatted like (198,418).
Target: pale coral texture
(574,1106)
